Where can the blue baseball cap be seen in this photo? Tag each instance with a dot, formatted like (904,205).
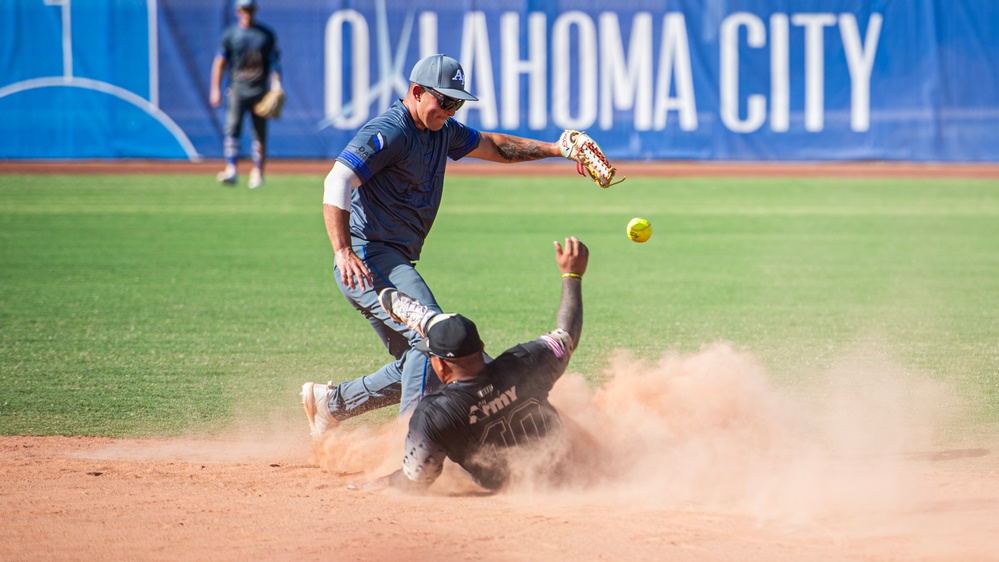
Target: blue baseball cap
(246,4)
(443,74)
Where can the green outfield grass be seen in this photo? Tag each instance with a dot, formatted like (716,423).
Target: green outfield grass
(149,305)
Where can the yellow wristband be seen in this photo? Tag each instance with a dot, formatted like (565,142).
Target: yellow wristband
(574,275)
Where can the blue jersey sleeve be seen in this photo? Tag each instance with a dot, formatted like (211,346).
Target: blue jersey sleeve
(373,148)
(463,139)
(225,43)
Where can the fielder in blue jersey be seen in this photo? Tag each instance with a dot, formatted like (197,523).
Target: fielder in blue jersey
(380,201)
(250,51)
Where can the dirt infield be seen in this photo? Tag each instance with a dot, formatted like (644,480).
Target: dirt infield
(691,458)
(549,167)
(730,481)
(66,498)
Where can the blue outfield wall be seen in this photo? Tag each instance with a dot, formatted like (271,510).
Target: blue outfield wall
(713,79)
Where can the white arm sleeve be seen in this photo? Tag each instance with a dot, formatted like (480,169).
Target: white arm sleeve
(338,186)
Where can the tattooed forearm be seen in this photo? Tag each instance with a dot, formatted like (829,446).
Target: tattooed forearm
(514,149)
(570,309)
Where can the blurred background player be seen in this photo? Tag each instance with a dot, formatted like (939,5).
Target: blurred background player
(250,52)
(380,201)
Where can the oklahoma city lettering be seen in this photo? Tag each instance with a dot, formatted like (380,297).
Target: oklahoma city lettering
(582,73)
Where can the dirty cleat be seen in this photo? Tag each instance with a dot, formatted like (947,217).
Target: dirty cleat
(316,400)
(405,309)
(256,178)
(228,176)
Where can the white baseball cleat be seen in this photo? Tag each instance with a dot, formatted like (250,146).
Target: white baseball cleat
(228,176)
(316,400)
(256,178)
(405,309)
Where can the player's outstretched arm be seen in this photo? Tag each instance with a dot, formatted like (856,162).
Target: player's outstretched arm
(422,464)
(572,260)
(497,147)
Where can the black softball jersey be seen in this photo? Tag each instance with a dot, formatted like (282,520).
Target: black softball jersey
(476,422)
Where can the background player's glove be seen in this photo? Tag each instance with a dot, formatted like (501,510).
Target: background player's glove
(270,105)
(590,159)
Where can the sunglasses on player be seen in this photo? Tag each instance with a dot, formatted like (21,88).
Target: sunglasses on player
(446,103)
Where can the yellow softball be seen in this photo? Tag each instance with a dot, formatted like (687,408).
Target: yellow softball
(639,229)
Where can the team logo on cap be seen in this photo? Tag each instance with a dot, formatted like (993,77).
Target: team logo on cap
(459,76)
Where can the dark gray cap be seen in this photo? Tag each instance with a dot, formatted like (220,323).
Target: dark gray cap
(442,73)
(450,336)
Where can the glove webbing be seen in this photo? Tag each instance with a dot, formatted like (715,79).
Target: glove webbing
(592,162)
(595,159)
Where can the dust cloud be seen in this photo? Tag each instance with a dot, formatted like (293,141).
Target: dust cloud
(702,431)
(709,431)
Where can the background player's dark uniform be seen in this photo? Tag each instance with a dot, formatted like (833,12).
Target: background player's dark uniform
(476,422)
(252,54)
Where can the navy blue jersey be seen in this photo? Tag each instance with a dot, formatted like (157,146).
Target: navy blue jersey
(402,177)
(476,422)
(252,54)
